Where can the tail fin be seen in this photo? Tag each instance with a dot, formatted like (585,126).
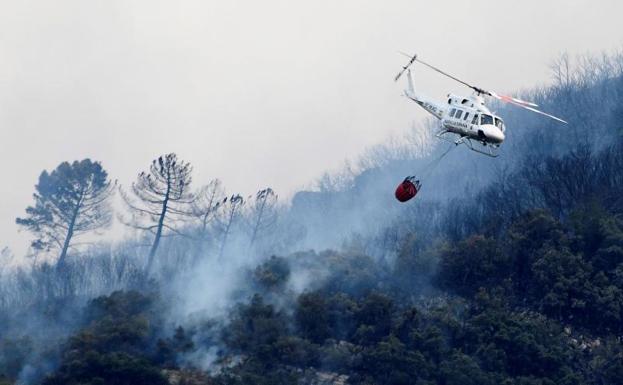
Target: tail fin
(410,91)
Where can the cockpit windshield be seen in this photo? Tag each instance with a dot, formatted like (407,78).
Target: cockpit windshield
(486,119)
(499,123)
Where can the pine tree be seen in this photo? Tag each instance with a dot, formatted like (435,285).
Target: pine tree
(160,200)
(70,201)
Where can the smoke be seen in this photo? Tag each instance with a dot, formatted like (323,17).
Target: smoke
(352,210)
(31,373)
(204,359)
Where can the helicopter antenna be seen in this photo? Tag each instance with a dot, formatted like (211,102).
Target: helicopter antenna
(505,98)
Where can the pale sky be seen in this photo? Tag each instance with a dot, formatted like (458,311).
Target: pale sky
(256,93)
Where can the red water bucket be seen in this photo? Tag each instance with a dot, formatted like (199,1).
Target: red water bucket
(405,191)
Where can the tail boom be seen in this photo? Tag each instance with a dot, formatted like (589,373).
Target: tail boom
(426,103)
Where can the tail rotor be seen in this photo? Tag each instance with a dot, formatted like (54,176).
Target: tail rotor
(406,67)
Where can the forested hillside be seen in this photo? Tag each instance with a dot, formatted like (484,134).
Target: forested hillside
(501,271)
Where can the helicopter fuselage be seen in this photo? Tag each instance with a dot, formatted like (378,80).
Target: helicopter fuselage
(467,117)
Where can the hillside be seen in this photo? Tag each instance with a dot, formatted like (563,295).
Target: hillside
(501,271)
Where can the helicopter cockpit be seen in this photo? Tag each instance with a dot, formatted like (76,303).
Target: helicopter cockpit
(486,119)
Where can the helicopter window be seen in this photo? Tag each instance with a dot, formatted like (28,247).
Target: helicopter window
(452,112)
(486,119)
(458,114)
(499,123)
(466,115)
(475,119)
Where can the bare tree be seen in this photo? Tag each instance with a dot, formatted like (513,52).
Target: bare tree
(262,213)
(415,144)
(161,200)
(207,202)
(70,201)
(339,180)
(209,199)
(562,71)
(229,215)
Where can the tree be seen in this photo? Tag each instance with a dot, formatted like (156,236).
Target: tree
(207,202)
(70,201)
(205,209)
(390,362)
(312,317)
(161,199)
(608,362)
(254,329)
(262,213)
(230,214)
(562,281)
(530,236)
(473,263)
(461,369)
(114,346)
(374,318)
(273,274)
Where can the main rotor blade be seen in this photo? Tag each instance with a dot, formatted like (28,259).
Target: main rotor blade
(510,99)
(477,89)
(505,98)
(539,112)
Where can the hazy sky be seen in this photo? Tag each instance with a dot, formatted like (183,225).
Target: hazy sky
(257,93)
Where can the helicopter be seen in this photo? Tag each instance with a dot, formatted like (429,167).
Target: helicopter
(467,118)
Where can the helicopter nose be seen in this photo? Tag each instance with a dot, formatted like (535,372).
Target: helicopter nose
(496,135)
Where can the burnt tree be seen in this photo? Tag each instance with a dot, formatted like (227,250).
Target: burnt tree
(160,200)
(228,219)
(262,213)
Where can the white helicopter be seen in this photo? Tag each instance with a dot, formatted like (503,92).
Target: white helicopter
(467,117)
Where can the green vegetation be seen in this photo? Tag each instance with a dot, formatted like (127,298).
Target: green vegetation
(536,299)
(516,283)
(114,347)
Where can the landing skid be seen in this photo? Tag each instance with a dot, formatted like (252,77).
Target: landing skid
(480,147)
